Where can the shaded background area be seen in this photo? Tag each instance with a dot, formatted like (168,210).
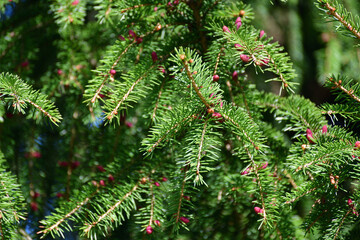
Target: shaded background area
(31,46)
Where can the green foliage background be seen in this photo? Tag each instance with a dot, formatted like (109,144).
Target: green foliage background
(54,55)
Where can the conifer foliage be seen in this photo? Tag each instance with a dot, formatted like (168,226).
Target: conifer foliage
(145,121)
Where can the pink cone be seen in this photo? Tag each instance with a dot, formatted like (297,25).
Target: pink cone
(59,195)
(25,64)
(34,206)
(245,58)
(75,164)
(111,178)
(36,195)
(238,47)
(184,220)
(262,32)
(235,75)
(154,56)
(63,164)
(265,165)
(309,135)
(187,198)
(76,2)
(324,129)
(102,183)
(258,210)
(238,23)
(226,29)
(149,230)
(100,168)
(264,62)
(139,40)
(216,78)
(132,33)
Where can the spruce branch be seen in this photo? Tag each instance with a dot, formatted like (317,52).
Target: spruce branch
(177,216)
(12,202)
(56,225)
(134,7)
(228,84)
(195,6)
(110,210)
(342,222)
(96,85)
(239,126)
(93,99)
(12,88)
(191,78)
(218,59)
(255,166)
(338,84)
(323,155)
(317,219)
(163,136)
(126,95)
(151,205)
(157,100)
(201,148)
(342,16)
(347,111)
(52,118)
(303,194)
(16,215)
(1,227)
(243,95)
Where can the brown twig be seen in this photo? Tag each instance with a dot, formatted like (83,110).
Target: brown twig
(1,228)
(200,149)
(167,132)
(294,199)
(157,28)
(157,100)
(218,59)
(87,230)
(332,11)
(115,110)
(196,6)
(226,117)
(134,7)
(312,224)
(53,119)
(255,166)
(181,196)
(291,180)
(348,92)
(228,84)
(107,75)
(152,204)
(342,221)
(189,74)
(55,226)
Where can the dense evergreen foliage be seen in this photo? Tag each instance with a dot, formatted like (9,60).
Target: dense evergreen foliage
(185,119)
